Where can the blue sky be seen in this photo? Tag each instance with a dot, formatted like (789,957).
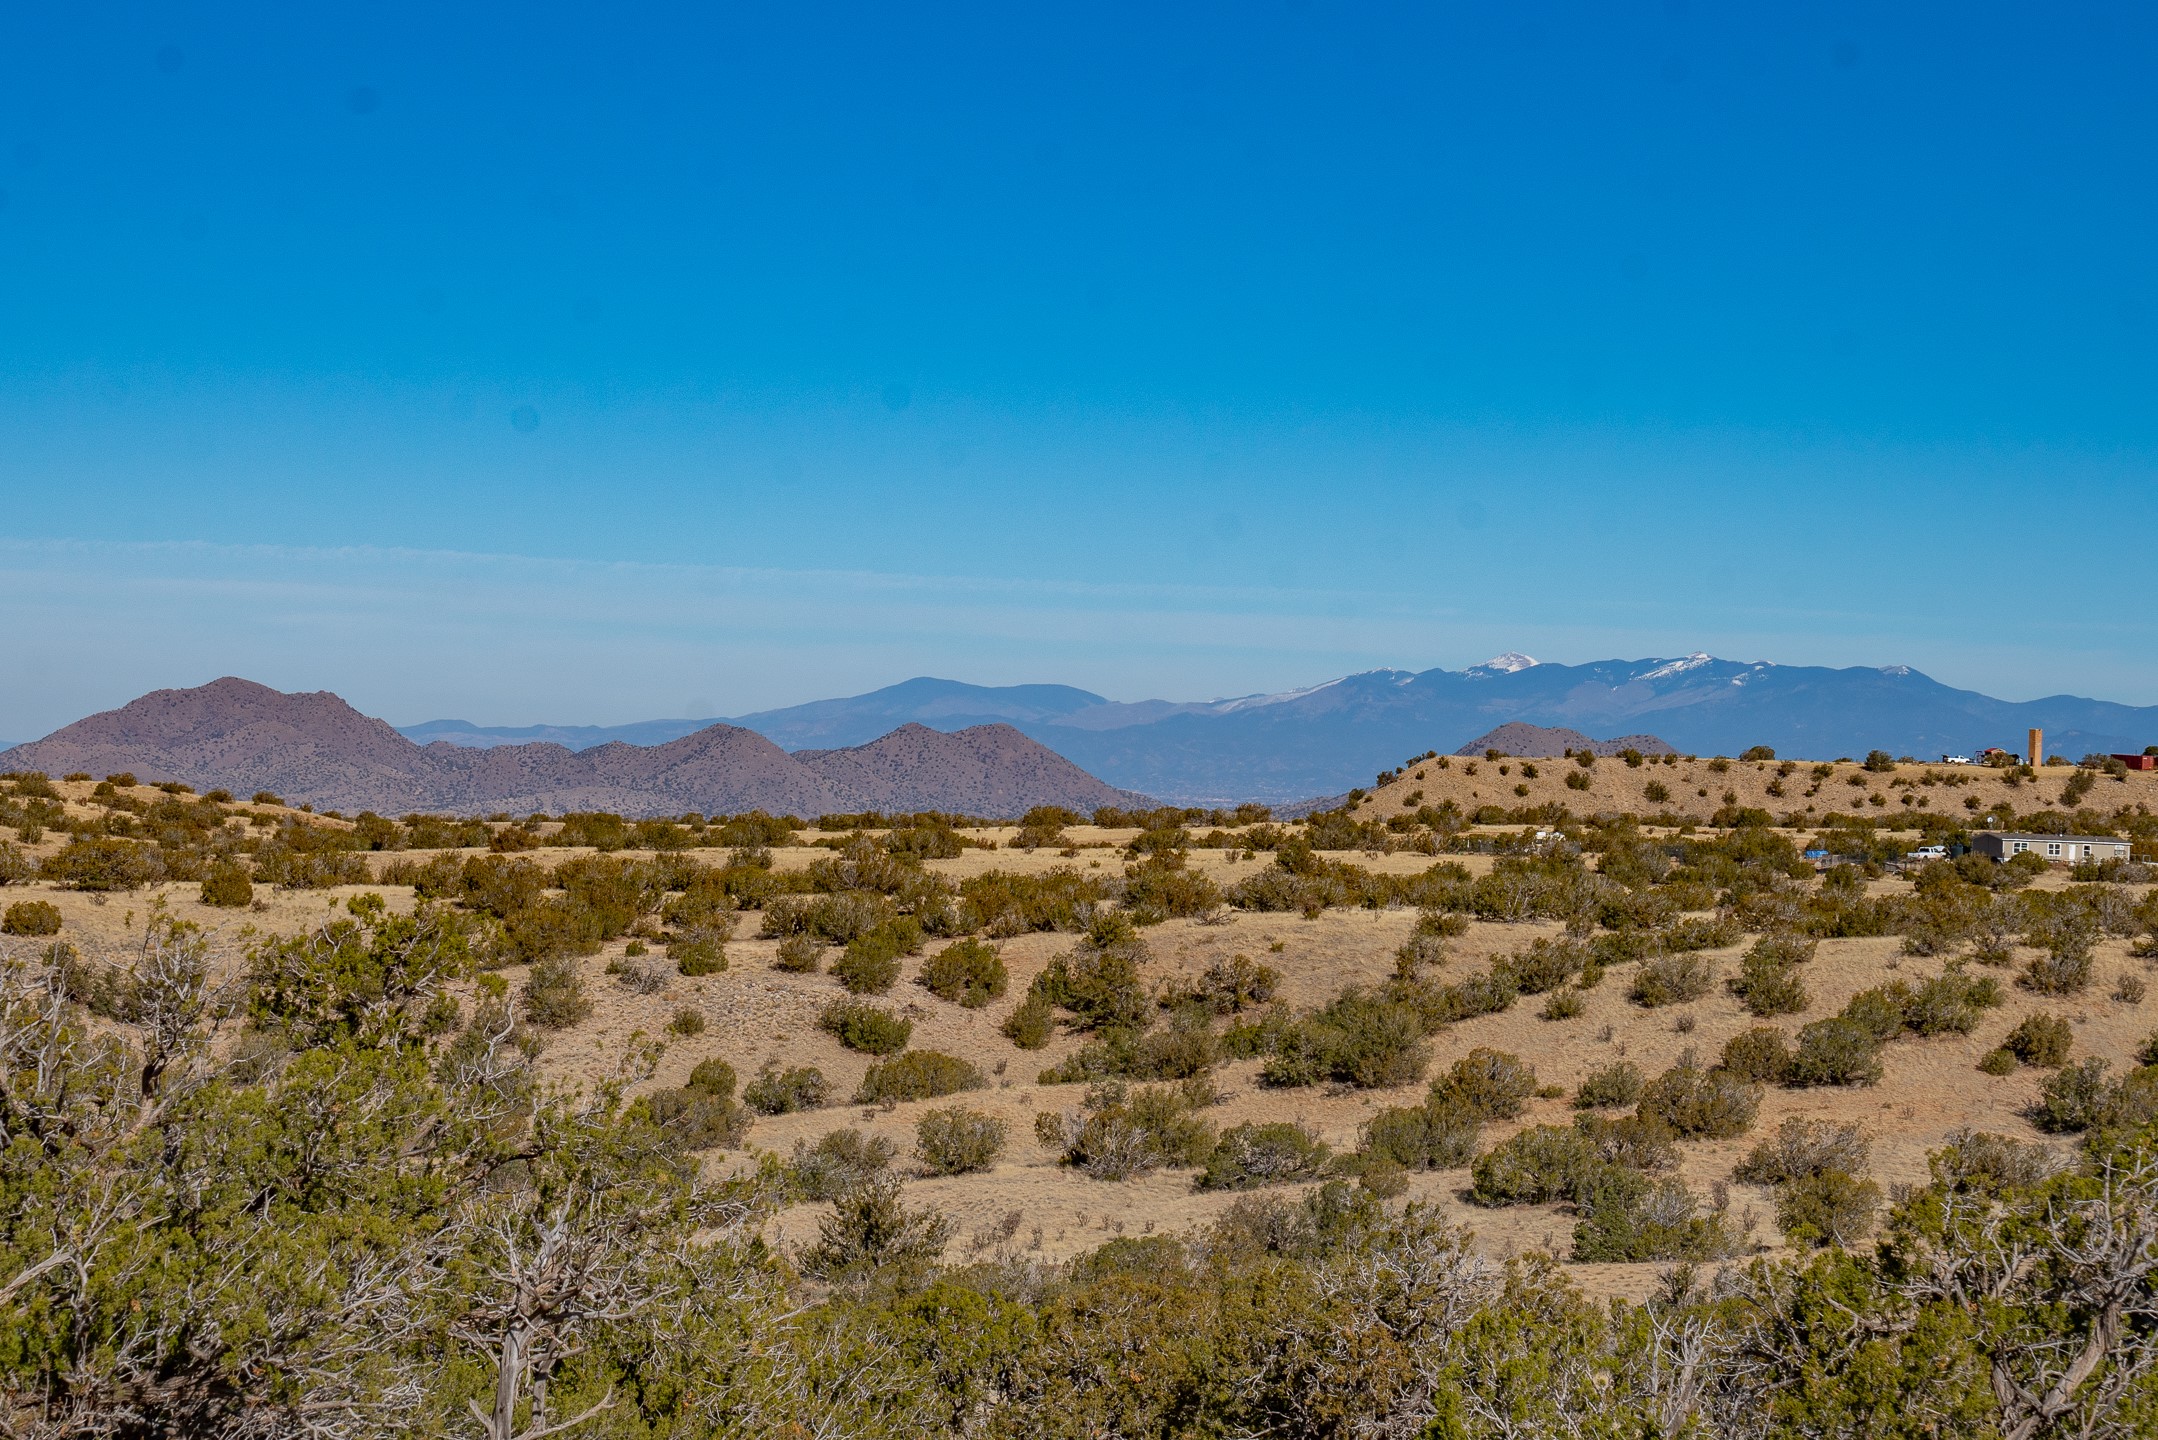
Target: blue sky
(540,362)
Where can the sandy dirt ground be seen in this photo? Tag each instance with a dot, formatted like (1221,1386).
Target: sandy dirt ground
(756,1015)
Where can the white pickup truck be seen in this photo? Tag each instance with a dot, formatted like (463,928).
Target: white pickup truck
(1927,852)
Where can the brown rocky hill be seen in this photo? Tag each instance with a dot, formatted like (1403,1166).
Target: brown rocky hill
(1541,742)
(241,736)
(982,770)
(315,749)
(720,770)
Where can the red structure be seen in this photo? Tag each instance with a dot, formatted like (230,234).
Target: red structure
(2139,762)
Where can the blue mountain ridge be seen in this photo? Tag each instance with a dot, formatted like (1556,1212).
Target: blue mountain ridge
(1326,738)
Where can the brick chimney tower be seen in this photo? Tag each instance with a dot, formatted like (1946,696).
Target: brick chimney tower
(2038,746)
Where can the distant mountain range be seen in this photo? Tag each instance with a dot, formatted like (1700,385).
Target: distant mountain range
(984,750)
(1326,738)
(315,749)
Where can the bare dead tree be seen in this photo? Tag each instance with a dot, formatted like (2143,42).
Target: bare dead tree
(2087,1267)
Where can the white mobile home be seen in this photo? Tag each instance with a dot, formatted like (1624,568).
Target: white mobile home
(2063,849)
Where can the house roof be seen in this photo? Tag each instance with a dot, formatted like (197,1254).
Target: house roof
(2060,839)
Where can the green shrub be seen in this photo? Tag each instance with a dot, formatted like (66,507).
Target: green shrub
(1672,979)
(1950,1003)
(698,1119)
(2063,970)
(840,1161)
(1251,1155)
(2075,1098)
(1708,933)
(2134,1101)
(917,1075)
(1546,965)
(870,1233)
(1129,1132)
(1567,1004)
(1976,1160)
(1802,1148)
(1628,1217)
(1372,1043)
(106,862)
(957,1141)
(1836,1051)
(1770,991)
(799,955)
(227,886)
(1257,1036)
(31,917)
(1418,953)
(1184,1048)
(1490,993)
(1619,1083)
(1030,1024)
(1637,1142)
(553,995)
(870,964)
(1535,1166)
(967,972)
(1488,1084)
(783,1092)
(1880,1012)
(2041,1039)
(1359,1039)
(1383,1178)
(698,952)
(1097,983)
(1162,887)
(1439,1134)
(1441,924)
(551,929)
(1710,1104)
(1830,1207)
(688,1020)
(1232,986)
(1009,904)
(712,1077)
(1768,982)
(1998,1061)
(15,867)
(1762,1054)
(276,864)
(840,917)
(1785,948)
(867,1028)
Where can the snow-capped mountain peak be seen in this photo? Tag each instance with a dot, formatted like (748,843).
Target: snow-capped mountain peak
(1280,697)
(1507,664)
(1678,667)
